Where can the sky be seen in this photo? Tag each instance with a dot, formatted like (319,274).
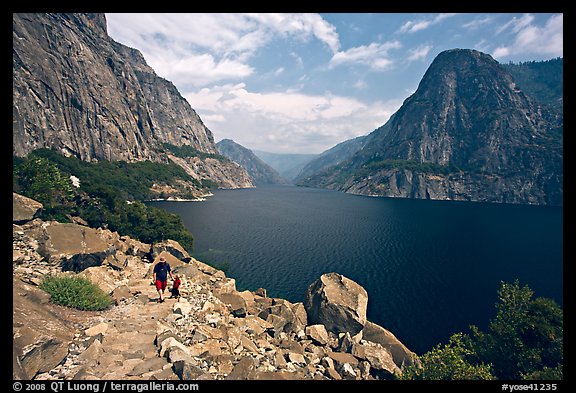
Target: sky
(302,83)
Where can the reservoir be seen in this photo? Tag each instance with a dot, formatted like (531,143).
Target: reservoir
(431,268)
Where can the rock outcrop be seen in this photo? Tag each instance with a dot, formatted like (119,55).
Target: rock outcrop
(212,331)
(467,133)
(77,91)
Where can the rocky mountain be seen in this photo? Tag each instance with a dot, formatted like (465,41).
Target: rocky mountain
(259,171)
(334,156)
(288,165)
(77,91)
(211,332)
(467,133)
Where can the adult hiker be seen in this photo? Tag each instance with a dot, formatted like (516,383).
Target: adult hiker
(161,272)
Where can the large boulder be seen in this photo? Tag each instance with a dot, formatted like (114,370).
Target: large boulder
(235,303)
(23,208)
(400,353)
(41,331)
(74,246)
(173,247)
(338,303)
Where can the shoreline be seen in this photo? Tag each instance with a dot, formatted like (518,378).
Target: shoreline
(201,198)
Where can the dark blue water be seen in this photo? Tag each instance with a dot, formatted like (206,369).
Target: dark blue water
(431,268)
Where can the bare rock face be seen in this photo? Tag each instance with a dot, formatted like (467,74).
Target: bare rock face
(41,335)
(23,208)
(80,93)
(467,133)
(338,303)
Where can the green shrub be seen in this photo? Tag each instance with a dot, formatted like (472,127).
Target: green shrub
(102,196)
(523,342)
(41,180)
(525,339)
(76,292)
(449,362)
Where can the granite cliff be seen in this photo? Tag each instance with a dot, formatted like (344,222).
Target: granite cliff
(467,133)
(213,331)
(77,91)
(259,171)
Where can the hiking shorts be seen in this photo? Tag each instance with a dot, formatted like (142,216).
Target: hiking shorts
(161,285)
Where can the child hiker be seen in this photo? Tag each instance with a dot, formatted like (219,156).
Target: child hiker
(175,286)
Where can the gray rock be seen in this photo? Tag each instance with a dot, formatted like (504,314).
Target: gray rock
(187,371)
(348,372)
(260,292)
(318,334)
(95,330)
(165,335)
(340,359)
(345,342)
(148,365)
(40,336)
(85,374)
(381,362)
(243,370)
(278,324)
(18,372)
(172,247)
(24,209)
(400,353)
(338,303)
(74,246)
(121,293)
(235,303)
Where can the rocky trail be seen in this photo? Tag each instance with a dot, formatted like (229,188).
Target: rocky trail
(213,331)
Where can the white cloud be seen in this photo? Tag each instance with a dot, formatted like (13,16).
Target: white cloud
(477,23)
(374,55)
(545,40)
(414,26)
(197,49)
(303,25)
(419,53)
(516,24)
(199,69)
(293,122)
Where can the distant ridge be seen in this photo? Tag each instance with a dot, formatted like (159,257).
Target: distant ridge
(288,165)
(260,172)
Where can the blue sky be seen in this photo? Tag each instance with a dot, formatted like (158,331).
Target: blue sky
(301,83)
